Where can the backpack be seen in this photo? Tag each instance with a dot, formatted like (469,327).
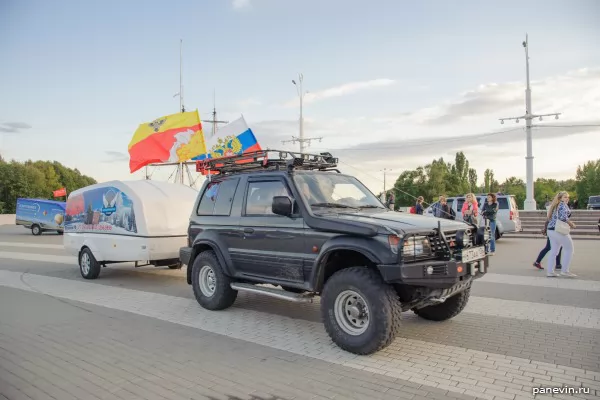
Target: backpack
(413,210)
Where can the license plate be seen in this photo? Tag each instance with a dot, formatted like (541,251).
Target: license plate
(470,255)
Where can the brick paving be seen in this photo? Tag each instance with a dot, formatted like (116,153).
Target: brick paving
(74,339)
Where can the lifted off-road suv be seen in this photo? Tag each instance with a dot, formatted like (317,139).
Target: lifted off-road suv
(293,221)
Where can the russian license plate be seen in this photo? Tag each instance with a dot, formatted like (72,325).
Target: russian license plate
(470,255)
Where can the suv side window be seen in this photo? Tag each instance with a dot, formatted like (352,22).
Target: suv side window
(259,196)
(217,199)
(503,203)
(459,203)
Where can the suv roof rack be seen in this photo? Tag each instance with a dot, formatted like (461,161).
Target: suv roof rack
(267,160)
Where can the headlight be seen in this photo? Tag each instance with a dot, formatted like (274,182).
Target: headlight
(416,246)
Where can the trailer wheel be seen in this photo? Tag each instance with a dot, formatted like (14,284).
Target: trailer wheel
(36,230)
(211,286)
(88,266)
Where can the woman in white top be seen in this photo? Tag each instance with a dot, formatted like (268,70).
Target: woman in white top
(559,210)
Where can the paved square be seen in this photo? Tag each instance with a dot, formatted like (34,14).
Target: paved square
(140,334)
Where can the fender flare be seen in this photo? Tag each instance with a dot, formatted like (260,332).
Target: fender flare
(211,242)
(363,246)
(93,248)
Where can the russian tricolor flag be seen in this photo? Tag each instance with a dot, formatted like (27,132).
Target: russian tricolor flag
(234,138)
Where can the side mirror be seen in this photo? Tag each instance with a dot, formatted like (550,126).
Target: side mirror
(282,205)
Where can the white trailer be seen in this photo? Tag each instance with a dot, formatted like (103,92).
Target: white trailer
(144,222)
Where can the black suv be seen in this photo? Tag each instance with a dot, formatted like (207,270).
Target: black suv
(295,222)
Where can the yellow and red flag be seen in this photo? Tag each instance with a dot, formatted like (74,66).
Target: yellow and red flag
(173,138)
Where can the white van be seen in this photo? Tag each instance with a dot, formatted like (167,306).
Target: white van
(140,221)
(507,219)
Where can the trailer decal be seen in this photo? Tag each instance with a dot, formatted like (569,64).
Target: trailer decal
(102,209)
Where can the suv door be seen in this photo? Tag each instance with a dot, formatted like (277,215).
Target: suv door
(214,211)
(268,245)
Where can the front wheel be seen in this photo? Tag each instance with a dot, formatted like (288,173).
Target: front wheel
(361,313)
(211,286)
(448,309)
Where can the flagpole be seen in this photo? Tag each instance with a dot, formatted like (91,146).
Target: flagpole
(181,106)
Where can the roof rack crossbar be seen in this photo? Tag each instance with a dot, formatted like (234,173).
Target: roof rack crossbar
(267,160)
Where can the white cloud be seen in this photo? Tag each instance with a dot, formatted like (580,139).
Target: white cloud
(342,90)
(469,123)
(239,4)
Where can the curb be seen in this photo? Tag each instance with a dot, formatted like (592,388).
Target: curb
(525,236)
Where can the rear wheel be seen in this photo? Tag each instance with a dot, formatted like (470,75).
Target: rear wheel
(88,266)
(36,230)
(448,309)
(361,313)
(211,286)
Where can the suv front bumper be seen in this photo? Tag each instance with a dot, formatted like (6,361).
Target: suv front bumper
(434,274)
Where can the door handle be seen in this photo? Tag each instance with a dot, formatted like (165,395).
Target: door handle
(248,230)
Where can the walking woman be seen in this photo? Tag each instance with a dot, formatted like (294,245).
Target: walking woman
(545,250)
(489,211)
(470,209)
(559,233)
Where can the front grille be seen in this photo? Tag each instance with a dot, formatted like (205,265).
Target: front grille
(439,248)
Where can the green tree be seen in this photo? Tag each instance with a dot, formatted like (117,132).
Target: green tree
(37,179)
(515,187)
(473,180)
(587,181)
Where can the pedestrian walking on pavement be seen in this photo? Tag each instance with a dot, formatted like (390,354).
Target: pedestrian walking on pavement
(489,212)
(559,233)
(545,250)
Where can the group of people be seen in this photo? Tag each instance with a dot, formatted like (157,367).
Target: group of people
(470,213)
(559,243)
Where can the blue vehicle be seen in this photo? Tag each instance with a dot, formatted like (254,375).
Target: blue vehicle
(41,215)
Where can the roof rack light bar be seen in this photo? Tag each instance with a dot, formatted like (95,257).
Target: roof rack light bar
(266,160)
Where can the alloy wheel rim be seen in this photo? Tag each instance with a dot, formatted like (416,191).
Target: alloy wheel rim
(85,263)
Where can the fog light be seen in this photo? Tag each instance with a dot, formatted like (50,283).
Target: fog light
(429,270)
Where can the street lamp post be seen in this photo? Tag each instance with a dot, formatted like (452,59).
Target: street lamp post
(300,90)
(301,139)
(530,204)
(384,195)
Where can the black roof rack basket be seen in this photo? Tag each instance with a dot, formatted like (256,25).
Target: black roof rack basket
(267,160)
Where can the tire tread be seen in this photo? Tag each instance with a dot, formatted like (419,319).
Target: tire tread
(372,285)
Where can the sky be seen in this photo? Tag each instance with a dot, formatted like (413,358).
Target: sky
(392,85)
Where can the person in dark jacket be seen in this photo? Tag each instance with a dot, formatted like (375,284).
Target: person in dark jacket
(545,250)
(419,205)
(489,212)
(445,210)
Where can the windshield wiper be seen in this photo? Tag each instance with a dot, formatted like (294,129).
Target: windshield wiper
(331,205)
(370,206)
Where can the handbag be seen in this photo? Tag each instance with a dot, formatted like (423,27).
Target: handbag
(561,227)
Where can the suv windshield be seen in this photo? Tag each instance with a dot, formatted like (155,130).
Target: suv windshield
(594,200)
(335,191)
